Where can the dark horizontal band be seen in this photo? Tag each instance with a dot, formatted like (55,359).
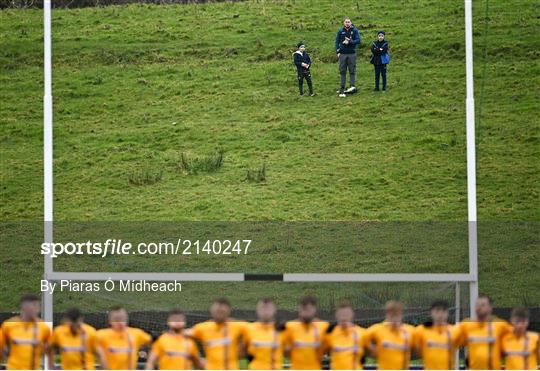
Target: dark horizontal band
(263,277)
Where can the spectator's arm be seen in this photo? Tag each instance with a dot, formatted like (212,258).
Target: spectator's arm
(356,37)
(374,49)
(338,41)
(385,48)
(297,60)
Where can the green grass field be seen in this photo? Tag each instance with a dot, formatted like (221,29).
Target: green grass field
(136,87)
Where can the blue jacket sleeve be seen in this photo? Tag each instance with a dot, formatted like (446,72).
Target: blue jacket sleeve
(356,37)
(338,41)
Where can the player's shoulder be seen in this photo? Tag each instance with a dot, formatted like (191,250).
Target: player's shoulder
(204,326)
(104,333)
(501,324)
(323,325)
(376,326)
(163,337)
(11,322)
(467,323)
(408,327)
(534,336)
(88,328)
(60,329)
(251,326)
(291,325)
(43,326)
(137,331)
(236,323)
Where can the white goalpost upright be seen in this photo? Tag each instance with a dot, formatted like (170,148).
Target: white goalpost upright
(471,159)
(471,277)
(47,155)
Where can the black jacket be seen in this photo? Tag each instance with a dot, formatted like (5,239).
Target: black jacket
(300,58)
(377,52)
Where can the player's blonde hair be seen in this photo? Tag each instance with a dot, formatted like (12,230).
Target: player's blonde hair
(393,307)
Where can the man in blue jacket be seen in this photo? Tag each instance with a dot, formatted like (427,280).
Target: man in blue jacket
(347,39)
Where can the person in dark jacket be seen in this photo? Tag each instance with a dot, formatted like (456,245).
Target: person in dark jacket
(379,48)
(302,61)
(347,39)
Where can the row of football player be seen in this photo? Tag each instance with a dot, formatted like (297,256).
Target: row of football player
(306,341)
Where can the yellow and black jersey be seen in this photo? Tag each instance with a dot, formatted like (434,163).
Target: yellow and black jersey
(437,345)
(521,352)
(121,348)
(77,349)
(392,345)
(483,341)
(221,342)
(26,342)
(304,343)
(175,352)
(265,344)
(345,346)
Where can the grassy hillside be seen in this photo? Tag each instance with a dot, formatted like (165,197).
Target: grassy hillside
(138,87)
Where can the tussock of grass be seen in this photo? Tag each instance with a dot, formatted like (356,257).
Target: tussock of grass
(203,164)
(145,176)
(256,175)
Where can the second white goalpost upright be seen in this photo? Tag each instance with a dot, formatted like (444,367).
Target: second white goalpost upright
(471,159)
(471,277)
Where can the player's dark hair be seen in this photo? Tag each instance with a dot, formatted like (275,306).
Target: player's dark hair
(440,304)
(393,306)
(28,298)
(308,300)
(222,301)
(176,312)
(116,308)
(73,314)
(521,313)
(484,296)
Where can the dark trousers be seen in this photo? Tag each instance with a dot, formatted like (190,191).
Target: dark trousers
(301,76)
(380,69)
(347,62)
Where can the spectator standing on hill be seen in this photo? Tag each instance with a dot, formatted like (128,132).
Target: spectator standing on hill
(302,61)
(347,39)
(380,59)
